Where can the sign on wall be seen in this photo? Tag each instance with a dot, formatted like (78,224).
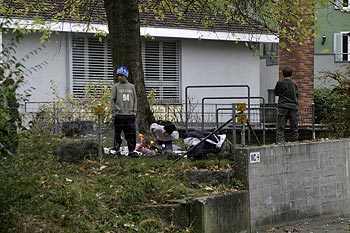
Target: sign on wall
(255,157)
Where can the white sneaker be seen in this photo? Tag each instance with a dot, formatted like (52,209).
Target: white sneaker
(134,154)
(115,152)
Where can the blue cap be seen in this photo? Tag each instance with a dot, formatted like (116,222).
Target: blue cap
(123,71)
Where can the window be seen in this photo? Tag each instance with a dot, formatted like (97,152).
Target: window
(91,63)
(342,5)
(270,52)
(342,47)
(271,96)
(162,69)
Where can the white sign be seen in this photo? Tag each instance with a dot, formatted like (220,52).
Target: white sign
(255,157)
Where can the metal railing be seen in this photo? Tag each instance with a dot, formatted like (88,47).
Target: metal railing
(200,116)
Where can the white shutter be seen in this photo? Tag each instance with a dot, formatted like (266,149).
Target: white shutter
(92,63)
(161,69)
(338,47)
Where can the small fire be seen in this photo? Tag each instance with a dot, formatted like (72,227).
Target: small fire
(147,147)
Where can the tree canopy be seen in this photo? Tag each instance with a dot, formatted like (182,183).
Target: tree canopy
(282,18)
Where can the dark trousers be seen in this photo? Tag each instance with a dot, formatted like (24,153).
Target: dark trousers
(285,114)
(125,123)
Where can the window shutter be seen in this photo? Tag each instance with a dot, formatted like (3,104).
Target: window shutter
(338,47)
(161,69)
(92,63)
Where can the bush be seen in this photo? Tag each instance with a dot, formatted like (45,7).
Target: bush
(332,103)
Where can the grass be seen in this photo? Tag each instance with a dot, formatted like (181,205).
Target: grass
(39,194)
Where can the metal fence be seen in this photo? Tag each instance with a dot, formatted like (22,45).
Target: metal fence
(199,115)
(52,117)
(211,115)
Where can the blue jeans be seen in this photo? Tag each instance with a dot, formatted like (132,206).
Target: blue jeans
(285,114)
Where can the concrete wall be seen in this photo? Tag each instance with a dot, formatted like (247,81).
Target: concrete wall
(228,213)
(296,181)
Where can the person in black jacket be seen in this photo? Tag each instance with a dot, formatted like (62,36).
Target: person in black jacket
(287,91)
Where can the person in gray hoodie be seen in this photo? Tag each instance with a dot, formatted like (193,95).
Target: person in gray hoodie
(123,108)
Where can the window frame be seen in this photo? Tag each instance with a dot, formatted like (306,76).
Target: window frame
(81,64)
(271,97)
(91,63)
(341,47)
(270,53)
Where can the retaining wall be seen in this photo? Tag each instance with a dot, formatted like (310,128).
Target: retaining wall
(228,213)
(296,181)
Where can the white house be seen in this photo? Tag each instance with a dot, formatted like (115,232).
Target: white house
(176,57)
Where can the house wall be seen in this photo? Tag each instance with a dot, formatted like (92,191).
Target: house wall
(329,21)
(268,78)
(202,63)
(52,58)
(218,63)
(325,62)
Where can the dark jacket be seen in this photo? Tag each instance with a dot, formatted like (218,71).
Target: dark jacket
(287,91)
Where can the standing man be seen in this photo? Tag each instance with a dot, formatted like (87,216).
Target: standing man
(123,108)
(288,93)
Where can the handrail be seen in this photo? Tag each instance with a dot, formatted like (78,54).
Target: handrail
(238,97)
(211,86)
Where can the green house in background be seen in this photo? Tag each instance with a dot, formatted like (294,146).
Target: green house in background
(332,40)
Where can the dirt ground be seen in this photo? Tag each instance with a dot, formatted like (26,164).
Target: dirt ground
(314,225)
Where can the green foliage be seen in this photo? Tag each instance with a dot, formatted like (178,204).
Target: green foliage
(164,112)
(39,194)
(11,70)
(69,109)
(282,18)
(46,15)
(289,20)
(332,103)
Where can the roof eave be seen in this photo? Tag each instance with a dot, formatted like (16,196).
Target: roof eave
(144,31)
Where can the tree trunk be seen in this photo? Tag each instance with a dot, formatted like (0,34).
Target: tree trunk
(124,32)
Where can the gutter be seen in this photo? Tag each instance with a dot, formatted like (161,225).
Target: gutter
(144,31)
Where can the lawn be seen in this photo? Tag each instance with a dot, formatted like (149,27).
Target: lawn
(40,194)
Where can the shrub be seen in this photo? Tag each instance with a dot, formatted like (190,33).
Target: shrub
(332,103)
